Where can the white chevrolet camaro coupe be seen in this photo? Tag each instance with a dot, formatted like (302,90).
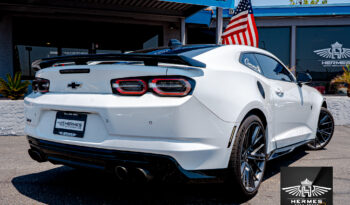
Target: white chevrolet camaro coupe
(200,111)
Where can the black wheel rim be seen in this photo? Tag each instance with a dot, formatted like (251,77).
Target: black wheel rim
(324,130)
(253,157)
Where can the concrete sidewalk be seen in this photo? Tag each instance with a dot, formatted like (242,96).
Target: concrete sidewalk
(24,181)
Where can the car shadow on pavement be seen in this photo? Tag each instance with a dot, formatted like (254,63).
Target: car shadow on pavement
(65,185)
(273,167)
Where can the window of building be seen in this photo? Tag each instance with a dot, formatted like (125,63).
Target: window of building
(273,69)
(27,54)
(277,41)
(73,37)
(323,51)
(74,51)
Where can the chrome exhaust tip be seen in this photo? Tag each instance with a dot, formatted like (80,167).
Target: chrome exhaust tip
(36,155)
(143,175)
(121,172)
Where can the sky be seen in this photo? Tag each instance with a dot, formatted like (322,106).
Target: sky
(286,2)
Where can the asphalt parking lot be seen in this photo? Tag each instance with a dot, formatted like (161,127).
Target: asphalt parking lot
(24,181)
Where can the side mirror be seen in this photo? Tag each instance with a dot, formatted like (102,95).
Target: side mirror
(303,78)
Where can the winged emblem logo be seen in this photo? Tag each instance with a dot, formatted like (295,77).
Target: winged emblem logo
(335,52)
(306,189)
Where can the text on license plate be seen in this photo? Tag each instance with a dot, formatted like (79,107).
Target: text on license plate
(70,124)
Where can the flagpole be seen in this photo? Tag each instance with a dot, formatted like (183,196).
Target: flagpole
(219,24)
(183,31)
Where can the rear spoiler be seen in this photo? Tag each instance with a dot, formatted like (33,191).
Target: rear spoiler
(148,59)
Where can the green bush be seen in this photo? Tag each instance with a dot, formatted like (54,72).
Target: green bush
(13,88)
(344,78)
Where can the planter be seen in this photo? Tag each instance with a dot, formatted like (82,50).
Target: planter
(12,120)
(339,106)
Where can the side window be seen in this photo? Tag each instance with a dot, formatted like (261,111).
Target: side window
(273,69)
(249,60)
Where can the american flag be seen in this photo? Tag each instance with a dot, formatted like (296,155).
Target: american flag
(242,28)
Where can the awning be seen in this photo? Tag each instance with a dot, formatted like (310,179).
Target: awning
(217,3)
(201,17)
(128,8)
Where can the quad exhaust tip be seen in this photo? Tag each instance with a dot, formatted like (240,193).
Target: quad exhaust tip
(36,155)
(143,175)
(139,174)
(121,172)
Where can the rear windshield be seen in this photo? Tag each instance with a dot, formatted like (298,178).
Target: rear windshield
(188,51)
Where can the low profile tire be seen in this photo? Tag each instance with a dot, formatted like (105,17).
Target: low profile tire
(248,158)
(325,130)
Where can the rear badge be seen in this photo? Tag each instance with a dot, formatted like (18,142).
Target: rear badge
(74,85)
(306,185)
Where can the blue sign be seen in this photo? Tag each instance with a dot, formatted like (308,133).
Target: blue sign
(217,3)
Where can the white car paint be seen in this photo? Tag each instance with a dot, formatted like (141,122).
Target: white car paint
(195,130)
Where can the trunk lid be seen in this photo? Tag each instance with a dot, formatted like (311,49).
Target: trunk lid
(93,78)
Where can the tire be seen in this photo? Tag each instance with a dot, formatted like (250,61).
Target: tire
(325,130)
(244,162)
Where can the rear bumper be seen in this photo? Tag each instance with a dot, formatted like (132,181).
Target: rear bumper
(104,159)
(181,128)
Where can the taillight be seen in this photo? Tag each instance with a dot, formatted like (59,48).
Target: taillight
(171,86)
(41,85)
(129,86)
(161,86)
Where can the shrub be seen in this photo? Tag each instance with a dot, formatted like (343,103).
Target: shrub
(13,88)
(344,78)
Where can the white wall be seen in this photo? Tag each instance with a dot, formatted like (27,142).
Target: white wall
(12,120)
(340,108)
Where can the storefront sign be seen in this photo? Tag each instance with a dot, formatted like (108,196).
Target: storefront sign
(218,3)
(337,55)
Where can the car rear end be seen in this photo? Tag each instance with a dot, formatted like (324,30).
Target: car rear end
(123,115)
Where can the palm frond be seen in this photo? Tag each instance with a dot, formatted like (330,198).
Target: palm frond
(344,78)
(14,88)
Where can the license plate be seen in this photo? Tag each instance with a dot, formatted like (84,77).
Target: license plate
(70,124)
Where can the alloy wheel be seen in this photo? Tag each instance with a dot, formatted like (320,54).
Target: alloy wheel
(253,157)
(324,130)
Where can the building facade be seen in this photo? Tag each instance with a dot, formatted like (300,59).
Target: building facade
(33,29)
(312,39)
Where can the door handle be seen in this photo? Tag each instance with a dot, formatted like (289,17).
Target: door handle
(279,92)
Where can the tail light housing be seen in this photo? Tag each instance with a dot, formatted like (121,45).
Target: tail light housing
(171,86)
(161,86)
(129,86)
(41,85)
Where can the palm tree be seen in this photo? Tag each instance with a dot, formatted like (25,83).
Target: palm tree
(305,2)
(344,78)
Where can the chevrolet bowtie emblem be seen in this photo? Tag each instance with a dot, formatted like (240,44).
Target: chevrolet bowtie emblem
(74,85)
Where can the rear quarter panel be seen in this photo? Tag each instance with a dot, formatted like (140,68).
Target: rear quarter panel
(231,95)
(317,101)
